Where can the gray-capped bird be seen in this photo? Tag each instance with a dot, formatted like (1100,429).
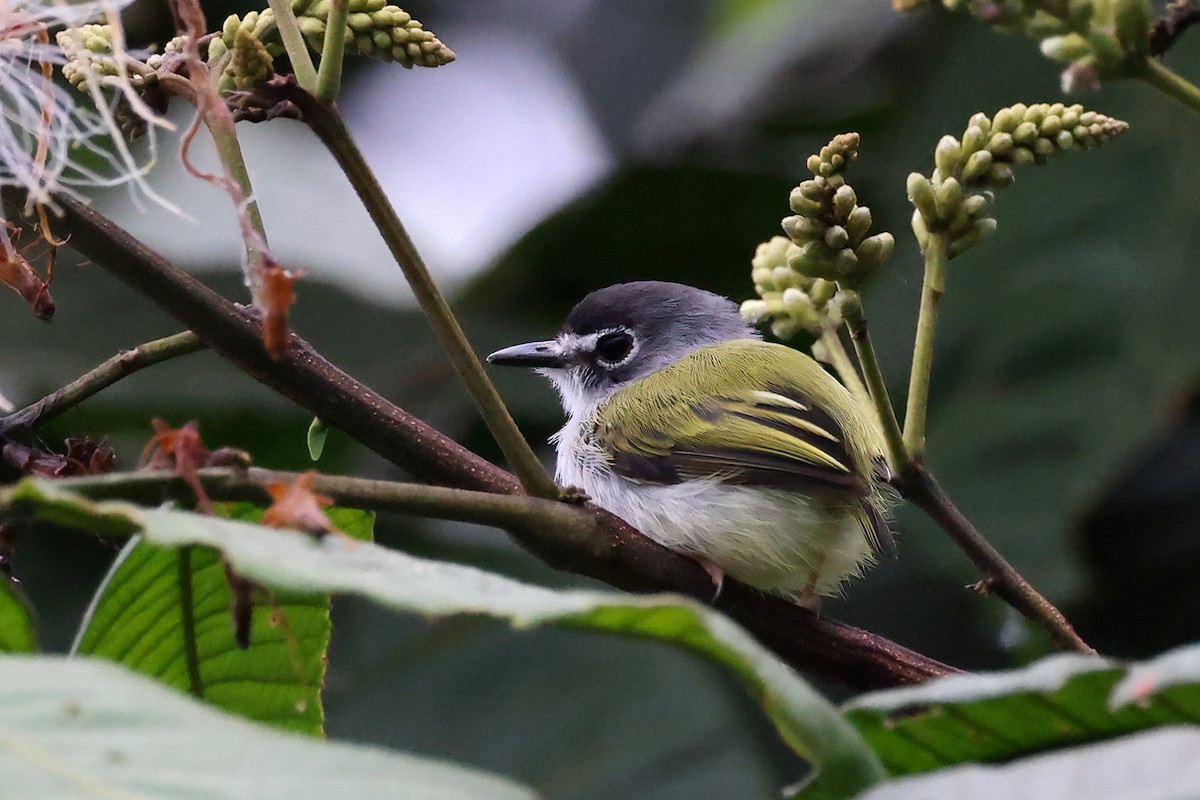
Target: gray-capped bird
(745,455)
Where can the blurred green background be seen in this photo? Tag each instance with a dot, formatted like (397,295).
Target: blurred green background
(578,143)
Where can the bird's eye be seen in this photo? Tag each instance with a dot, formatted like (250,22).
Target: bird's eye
(614,347)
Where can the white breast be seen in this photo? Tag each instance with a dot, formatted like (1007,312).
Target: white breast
(774,539)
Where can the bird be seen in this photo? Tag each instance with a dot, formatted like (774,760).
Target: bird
(746,455)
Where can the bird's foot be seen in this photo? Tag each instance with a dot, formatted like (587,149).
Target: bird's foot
(715,573)
(573,495)
(810,601)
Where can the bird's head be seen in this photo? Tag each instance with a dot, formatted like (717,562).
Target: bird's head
(619,334)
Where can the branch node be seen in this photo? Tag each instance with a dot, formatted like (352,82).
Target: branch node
(1166,30)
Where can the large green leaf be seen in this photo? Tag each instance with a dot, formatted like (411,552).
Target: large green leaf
(83,729)
(158,605)
(286,560)
(1058,702)
(16,624)
(1153,765)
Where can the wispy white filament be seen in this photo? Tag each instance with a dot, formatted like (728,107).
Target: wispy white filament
(55,139)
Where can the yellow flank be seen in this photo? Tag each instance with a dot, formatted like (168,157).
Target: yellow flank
(694,405)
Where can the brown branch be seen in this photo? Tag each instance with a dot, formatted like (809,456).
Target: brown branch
(596,544)
(915,482)
(249,484)
(101,377)
(1166,30)
(325,121)
(999,577)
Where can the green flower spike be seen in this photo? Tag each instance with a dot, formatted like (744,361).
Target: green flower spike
(173,47)
(804,280)
(373,28)
(260,25)
(1099,40)
(830,228)
(251,63)
(89,52)
(91,61)
(956,200)
(790,301)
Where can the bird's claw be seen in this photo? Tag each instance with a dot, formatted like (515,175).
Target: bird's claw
(573,495)
(715,573)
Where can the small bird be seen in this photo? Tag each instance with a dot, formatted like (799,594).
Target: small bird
(747,456)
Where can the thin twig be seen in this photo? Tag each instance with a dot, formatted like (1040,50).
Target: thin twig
(218,118)
(860,334)
(293,42)
(250,484)
(333,133)
(932,288)
(845,368)
(187,610)
(333,50)
(1166,30)
(1171,84)
(999,577)
(101,377)
(597,544)
(917,485)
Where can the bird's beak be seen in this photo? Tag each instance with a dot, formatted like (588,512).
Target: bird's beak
(534,354)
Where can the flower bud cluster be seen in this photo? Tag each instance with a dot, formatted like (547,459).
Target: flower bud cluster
(172,49)
(804,279)
(956,200)
(251,64)
(252,44)
(790,301)
(89,52)
(92,60)
(373,27)
(829,227)
(388,33)
(1099,40)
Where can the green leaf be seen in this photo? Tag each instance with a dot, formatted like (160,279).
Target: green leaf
(1155,765)
(317,431)
(286,560)
(16,622)
(1058,702)
(139,618)
(81,729)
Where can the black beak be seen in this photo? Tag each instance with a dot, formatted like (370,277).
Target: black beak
(534,354)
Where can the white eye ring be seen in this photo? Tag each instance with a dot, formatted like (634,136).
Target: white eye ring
(620,339)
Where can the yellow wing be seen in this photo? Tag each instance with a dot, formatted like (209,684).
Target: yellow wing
(736,412)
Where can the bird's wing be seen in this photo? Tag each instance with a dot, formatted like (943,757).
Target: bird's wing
(755,437)
(765,435)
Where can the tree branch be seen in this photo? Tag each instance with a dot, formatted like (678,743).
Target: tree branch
(114,369)
(293,42)
(187,611)
(325,121)
(597,544)
(329,73)
(860,334)
(1170,83)
(999,577)
(915,482)
(250,484)
(933,286)
(1166,30)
